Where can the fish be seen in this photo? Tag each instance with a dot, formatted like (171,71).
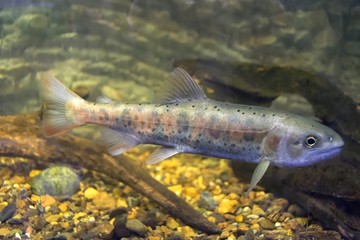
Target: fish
(182,119)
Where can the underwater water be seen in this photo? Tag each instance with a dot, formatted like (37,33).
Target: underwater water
(305,55)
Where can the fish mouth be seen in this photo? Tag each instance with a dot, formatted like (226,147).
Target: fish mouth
(323,155)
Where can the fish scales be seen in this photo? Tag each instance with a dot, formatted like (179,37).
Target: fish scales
(185,120)
(226,130)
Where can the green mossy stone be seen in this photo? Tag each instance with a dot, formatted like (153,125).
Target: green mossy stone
(59,181)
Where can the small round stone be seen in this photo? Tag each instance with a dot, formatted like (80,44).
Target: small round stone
(266,224)
(59,181)
(136,226)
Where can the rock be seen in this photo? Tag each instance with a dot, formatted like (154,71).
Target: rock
(4,231)
(102,230)
(172,223)
(53,218)
(227,206)
(207,201)
(47,200)
(58,181)
(266,224)
(257,211)
(136,226)
(7,212)
(90,193)
(104,201)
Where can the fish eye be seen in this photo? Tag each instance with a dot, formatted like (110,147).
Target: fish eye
(311,141)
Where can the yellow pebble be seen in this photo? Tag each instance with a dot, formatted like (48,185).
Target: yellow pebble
(34,173)
(47,200)
(90,193)
(63,206)
(171,223)
(239,218)
(227,206)
(64,225)
(52,218)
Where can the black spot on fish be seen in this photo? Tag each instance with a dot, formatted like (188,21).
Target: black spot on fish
(250,108)
(249,137)
(140,104)
(185,128)
(167,110)
(176,104)
(254,113)
(219,110)
(263,115)
(273,114)
(215,106)
(193,106)
(243,113)
(238,110)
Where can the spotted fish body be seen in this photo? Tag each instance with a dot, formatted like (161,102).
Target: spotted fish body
(185,120)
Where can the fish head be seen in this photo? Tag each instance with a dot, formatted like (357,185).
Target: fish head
(304,142)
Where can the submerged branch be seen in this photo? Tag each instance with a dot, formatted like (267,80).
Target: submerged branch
(20,137)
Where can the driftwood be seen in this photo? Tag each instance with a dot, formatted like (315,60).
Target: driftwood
(330,190)
(21,140)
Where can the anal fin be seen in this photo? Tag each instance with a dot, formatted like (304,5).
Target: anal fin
(258,174)
(160,154)
(117,142)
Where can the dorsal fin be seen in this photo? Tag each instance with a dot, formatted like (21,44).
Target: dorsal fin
(180,87)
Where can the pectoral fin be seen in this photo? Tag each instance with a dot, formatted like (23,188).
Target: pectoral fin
(117,142)
(258,174)
(160,154)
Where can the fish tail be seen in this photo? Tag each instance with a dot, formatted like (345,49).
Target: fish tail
(57,116)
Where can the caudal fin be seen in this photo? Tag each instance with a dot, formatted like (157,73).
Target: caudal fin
(55,97)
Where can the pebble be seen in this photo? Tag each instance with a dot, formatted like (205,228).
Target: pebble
(90,193)
(47,200)
(136,226)
(4,231)
(60,181)
(257,210)
(7,212)
(103,230)
(171,223)
(54,218)
(228,206)
(252,216)
(207,201)
(104,201)
(266,224)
